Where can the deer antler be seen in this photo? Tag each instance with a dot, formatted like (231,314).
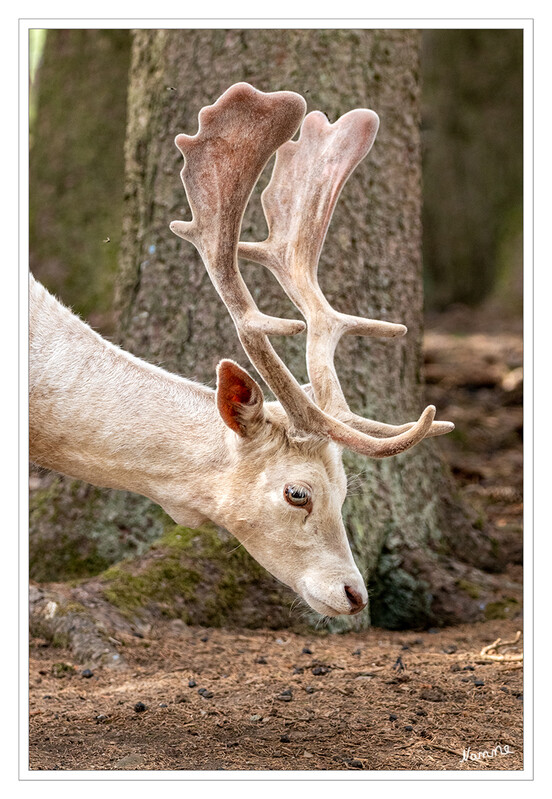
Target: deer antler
(299,201)
(223,161)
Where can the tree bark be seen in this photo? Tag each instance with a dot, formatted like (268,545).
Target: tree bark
(408,534)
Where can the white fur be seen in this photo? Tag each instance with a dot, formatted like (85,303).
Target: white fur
(102,415)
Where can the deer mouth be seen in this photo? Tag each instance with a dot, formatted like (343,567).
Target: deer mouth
(334,597)
(322,607)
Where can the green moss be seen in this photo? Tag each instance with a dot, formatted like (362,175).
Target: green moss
(70,607)
(199,576)
(470,589)
(162,582)
(78,531)
(502,609)
(62,670)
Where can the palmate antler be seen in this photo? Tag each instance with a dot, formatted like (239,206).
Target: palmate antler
(223,161)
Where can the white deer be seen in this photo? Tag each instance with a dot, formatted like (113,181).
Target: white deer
(269,472)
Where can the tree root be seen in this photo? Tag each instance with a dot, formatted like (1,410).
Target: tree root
(66,623)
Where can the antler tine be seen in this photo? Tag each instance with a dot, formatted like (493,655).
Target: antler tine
(223,161)
(236,137)
(308,177)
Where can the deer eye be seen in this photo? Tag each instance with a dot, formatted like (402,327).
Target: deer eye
(298,495)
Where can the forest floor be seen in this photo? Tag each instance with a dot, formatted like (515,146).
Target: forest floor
(192,698)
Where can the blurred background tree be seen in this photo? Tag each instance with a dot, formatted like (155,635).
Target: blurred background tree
(416,527)
(78,104)
(473,167)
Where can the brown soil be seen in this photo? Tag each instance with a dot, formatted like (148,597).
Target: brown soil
(370,700)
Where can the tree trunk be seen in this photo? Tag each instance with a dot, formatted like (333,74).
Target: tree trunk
(77,166)
(408,534)
(473,166)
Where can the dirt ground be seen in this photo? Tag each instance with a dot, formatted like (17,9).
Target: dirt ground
(371,700)
(191,698)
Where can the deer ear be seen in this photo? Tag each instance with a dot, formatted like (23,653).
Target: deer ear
(240,400)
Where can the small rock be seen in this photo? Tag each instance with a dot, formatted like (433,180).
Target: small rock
(404,647)
(207,694)
(87,673)
(192,683)
(320,670)
(260,659)
(298,669)
(356,763)
(421,712)
(309,689)
(139,707)
(468,668)
(503,688)
(478,682)
(284,697)
(255,717)
(163,704)
(306,650)
(129,761)
(393,717)
(285,739)
(356,652)
(204,638)
(101,718)
(450,650)
(409,728)
(180,698)
(455,667)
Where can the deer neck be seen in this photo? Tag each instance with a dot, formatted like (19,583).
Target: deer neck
(99,414)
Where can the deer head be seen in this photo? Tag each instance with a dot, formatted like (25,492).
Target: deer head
(283,495)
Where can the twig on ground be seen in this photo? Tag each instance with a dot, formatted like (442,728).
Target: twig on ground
(502,658)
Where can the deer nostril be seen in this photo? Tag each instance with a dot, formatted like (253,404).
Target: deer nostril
(355,600)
